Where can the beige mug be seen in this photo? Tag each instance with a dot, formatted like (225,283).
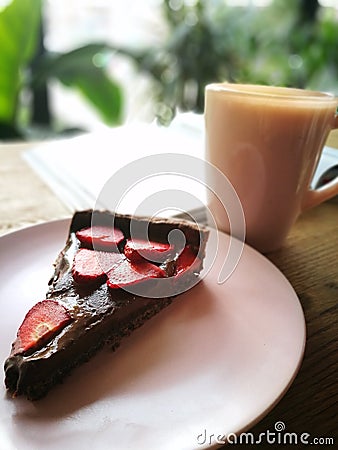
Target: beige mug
(268,141)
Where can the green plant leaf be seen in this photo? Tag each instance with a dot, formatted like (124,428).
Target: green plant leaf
(76,69)
(104,95)
(19,27)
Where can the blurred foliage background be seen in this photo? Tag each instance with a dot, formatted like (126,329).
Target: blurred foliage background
(287,43)
(27,68)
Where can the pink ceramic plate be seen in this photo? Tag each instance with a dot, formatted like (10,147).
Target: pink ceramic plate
(211,364)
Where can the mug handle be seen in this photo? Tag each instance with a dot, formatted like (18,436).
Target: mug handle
(314,197)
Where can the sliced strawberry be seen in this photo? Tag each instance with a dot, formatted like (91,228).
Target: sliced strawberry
(187,260)
(127,273)
(139,249)
(101,237)
(90,266)
(42,322)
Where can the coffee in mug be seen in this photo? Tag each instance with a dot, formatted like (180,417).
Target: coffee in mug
(267,141)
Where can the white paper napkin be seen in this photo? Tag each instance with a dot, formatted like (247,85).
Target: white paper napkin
(76,169)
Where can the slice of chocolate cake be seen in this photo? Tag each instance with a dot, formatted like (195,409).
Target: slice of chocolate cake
(108,280)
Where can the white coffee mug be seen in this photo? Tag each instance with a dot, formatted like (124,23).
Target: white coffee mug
(267,141)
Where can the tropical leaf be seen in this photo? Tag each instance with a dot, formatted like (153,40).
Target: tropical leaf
(78,69)
(19,27)
(104,95)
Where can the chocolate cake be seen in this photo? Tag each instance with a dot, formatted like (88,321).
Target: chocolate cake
(108,280)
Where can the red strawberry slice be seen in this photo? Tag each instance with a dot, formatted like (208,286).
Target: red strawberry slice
(100,237)
(127,273)
(187,260)
(42,322)
(139,249)
(90,266)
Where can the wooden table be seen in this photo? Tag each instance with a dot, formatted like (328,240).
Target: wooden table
(308,259)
